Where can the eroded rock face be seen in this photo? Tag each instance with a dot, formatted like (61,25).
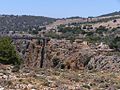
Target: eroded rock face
(104,63)
(65,55)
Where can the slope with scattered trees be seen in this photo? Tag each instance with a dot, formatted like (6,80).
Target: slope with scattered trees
(12,22)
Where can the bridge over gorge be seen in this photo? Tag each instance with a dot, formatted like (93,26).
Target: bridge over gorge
(34,53)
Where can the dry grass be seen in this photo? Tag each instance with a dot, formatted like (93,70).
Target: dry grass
(52,79)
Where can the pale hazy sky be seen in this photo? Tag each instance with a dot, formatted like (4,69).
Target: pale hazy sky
(59,8)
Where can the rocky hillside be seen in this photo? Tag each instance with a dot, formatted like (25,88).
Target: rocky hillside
(25,22)
(62,54)
(73,54)
(108,21)
(12,22)
(66,66)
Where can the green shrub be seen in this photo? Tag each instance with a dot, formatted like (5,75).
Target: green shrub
(8,54)
(55,61)
(93,39)
(101,29)
(115,43)
(86,86)
(34,32)
(52,35)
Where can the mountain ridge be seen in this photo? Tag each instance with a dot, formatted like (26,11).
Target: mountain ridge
(110,14)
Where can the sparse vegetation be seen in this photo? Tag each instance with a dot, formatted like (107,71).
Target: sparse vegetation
(78,55)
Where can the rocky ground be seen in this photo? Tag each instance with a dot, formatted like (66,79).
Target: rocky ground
(57,79)
(77,66)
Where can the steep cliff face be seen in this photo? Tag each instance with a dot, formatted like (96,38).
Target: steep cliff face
(33,56)
(65,55)
(60,54)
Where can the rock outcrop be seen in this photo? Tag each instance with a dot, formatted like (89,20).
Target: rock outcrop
(105,63)
(66,55)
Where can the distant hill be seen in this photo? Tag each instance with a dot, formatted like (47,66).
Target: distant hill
(110,14)
(12,22)
(75,17)
(27,22)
